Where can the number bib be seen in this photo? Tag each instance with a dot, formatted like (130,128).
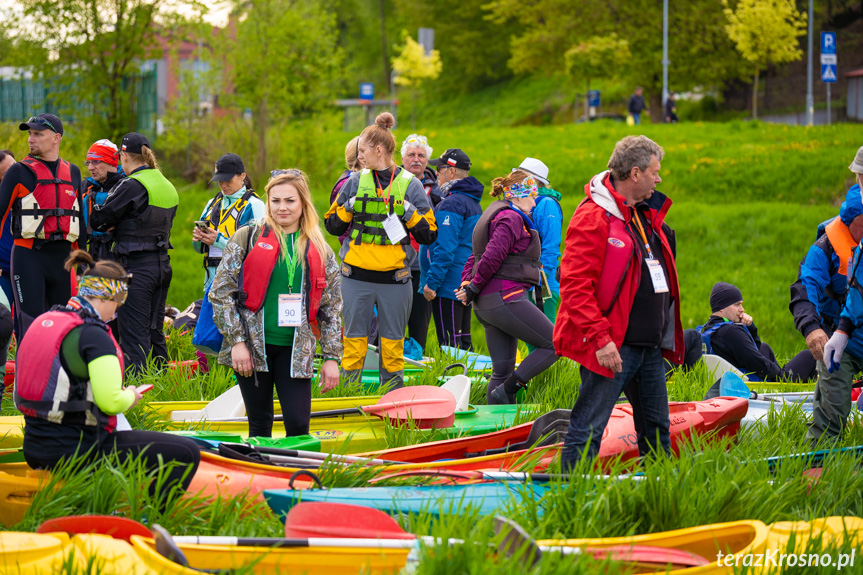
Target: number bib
(290,309)
(394,229)
(657,275)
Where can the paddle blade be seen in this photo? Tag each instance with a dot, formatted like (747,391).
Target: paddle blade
(427,406)
(731,385)
(459,387)
(116,527)
(341,520)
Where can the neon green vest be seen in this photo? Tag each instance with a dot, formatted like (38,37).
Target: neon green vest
(370,211)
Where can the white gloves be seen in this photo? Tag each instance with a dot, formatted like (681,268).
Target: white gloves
(834,349)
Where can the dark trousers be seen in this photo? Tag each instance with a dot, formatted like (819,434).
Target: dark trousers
(508,321)
(295,395)
(141,318)
(643,382)
(154,448)
(452,323)
(418,321)
(39,280)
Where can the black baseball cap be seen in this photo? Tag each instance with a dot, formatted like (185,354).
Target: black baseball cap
(227,167)
(133,142)
(453,157)
(43,122)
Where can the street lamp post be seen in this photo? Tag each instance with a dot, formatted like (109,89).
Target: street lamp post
(664,55)
(810,102)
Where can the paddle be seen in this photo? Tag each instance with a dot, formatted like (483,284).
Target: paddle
(427,406)
(116,527)
(343,521)
(459,387)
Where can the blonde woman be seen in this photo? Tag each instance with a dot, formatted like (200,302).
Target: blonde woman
(276,294)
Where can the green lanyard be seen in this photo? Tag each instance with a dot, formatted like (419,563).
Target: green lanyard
(291,264)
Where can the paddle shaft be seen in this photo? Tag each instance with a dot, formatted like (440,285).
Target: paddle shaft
(324,456)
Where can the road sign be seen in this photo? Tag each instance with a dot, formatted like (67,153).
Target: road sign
(828,72)
(828,42)
(367,91)
(828,59)
(593,98)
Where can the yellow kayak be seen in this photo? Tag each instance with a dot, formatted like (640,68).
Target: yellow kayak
(32,554)
(165,408)
(18,485)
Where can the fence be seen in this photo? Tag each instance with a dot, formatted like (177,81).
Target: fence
(20,98)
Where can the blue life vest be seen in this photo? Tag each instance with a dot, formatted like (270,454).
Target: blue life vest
(708,348)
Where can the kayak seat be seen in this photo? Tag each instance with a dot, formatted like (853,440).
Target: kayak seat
(249,454)
(548,429)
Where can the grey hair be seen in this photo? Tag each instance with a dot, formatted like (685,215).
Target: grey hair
(416,141)
(631,152)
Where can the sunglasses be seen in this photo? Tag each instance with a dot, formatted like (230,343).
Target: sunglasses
(291,172)
(443,168)
(42,122)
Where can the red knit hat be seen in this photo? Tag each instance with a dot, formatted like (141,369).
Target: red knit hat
(103,151)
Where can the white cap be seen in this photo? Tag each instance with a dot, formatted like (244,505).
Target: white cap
(535,168)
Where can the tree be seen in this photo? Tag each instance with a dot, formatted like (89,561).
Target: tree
(413,67)
(598,57)
(282,60)
(89,49)
(765,32)
(547,27)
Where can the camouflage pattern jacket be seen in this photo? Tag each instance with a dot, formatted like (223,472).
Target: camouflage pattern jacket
(228,321)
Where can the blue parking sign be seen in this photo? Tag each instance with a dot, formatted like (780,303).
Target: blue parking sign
(828,42)
(367,91)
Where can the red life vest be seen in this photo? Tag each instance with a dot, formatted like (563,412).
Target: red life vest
(258,269)
(43,388)
(51,211)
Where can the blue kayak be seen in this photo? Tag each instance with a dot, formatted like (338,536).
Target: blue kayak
(474,361)
(487,498)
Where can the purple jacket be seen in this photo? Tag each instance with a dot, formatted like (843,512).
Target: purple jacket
(506,235)
(335,194)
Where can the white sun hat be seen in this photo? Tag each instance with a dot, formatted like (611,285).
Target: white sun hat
(535,168)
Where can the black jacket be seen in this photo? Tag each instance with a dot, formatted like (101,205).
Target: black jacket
(636,104)
(741,346)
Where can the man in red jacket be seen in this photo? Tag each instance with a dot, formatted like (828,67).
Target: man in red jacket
(619,301)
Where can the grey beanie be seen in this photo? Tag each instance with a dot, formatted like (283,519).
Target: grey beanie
(723,295)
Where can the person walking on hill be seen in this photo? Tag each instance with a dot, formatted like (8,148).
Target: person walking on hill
(671,110)
(235,205)
(843,352)
(415,155)
(68,358)
(141,210)
(548,217)
(276,294)
(822,282)
(497,279)
(636,105)
(380,206)
(620,301)
(731,334)
(105,173)
(456,215)
(42,192)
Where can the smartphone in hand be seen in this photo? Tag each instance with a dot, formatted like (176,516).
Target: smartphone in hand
(142,389)
(202,224)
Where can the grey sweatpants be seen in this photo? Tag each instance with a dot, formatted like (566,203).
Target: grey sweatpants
(509,316)
(394,307)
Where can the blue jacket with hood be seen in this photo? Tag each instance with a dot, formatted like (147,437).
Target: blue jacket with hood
(548,218)
(818,293)
(457,214)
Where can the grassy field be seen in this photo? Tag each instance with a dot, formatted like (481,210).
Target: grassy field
(748,198)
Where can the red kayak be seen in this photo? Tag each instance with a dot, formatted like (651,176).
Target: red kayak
(190,364)
(722,415)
